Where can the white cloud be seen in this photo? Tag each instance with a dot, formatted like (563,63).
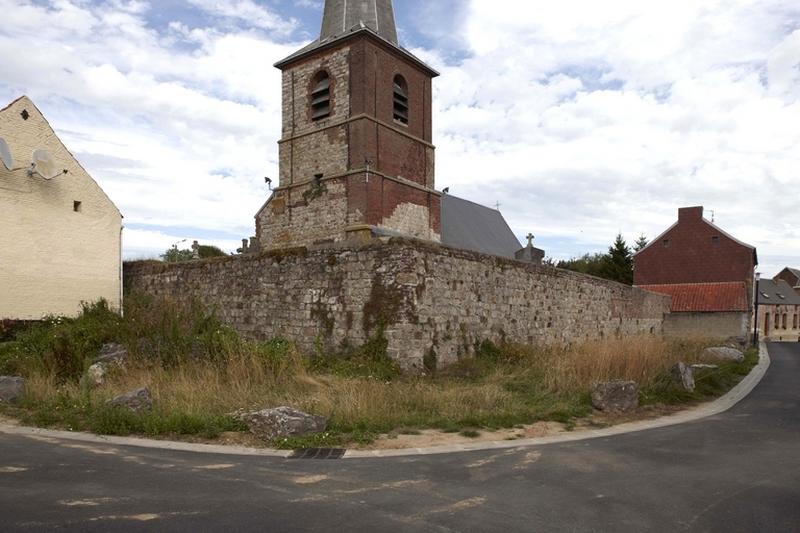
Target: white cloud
(584,118)
(581,118)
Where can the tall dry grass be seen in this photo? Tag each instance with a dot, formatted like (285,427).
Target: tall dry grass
(518,385)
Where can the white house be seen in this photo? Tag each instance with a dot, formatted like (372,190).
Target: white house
(60,235)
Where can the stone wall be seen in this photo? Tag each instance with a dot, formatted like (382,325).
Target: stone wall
(735,325)
(428,298)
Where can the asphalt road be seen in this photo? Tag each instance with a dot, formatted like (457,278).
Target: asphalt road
(738,471)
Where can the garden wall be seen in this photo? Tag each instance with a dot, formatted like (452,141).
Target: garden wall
(431,301)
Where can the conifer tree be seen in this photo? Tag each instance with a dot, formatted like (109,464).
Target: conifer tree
(618,262)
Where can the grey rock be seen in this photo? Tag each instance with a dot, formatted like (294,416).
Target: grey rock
(282,422)
(136,401)
(11,388)
(615,396)
(723,353)
(704,367)
(683,375)
(112,353)
(96,374)
(111,356)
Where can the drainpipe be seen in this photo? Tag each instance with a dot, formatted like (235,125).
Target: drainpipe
(755,329)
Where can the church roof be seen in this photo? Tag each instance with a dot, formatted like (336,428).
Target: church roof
(342,16)
(345,18)
(475,227)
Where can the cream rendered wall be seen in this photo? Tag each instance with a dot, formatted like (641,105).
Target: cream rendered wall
(51,257)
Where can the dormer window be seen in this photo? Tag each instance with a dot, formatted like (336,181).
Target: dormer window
(321,96)
(400,100)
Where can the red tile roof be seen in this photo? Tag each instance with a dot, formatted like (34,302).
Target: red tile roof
(704,297)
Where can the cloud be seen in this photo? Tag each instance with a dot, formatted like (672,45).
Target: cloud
(580,118)
(583,119)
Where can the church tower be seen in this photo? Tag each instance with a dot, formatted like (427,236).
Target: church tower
(356,153)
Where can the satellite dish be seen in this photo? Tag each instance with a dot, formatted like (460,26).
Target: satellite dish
(44,164)
(5,155)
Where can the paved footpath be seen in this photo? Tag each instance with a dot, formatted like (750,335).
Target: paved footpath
(736,471)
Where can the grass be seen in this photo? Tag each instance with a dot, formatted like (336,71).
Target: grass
(199,372)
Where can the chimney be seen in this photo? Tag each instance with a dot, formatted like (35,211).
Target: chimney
(690,213)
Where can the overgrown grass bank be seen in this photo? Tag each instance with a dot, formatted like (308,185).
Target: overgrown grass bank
(200,372)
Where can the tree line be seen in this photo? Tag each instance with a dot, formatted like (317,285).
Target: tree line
(616,264)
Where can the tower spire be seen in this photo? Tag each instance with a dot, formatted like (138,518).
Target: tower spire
(341,16)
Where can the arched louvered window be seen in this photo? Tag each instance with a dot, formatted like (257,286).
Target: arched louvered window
(400,100)
(321,96)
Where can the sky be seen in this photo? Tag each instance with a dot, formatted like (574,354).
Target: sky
(581,119)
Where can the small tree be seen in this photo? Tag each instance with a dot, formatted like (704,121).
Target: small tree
(206,251)
(617,264)
(174,255)
(641,243)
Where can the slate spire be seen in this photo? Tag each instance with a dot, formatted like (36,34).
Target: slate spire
(342,16)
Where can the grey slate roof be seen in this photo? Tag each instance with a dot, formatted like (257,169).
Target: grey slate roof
(471,226)
(344,18)
(343,15)
(771,292)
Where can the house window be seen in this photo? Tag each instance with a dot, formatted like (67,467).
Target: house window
(77,206)
(400,100)
(665,242)
(785,321)
(715,240)
(321,96)
(794,322)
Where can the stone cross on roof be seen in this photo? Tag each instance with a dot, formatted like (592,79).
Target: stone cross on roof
(530,238)
(342,16)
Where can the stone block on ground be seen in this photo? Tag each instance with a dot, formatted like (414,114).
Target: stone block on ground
(112,353)
(283,422)
(615,396)
(137,401)
(683,375)
(704,367)
(723,353)
(11,388)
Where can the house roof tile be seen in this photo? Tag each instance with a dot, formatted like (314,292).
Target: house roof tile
(704,297)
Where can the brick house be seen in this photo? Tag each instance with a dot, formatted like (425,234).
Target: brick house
(61,238)
(357,155)
(790,276)
(708,272)
(778,310)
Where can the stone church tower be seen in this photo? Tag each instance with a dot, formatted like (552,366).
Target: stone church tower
(356,154)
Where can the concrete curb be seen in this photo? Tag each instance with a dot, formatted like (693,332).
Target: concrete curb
(734,396)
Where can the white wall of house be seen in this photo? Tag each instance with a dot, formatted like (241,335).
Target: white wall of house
(54,252)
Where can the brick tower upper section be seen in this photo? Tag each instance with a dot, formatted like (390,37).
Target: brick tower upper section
(356,154)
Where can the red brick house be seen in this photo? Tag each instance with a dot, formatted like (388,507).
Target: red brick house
(708,272)
(790,276)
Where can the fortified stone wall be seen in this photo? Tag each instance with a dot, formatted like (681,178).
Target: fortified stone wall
(431,301)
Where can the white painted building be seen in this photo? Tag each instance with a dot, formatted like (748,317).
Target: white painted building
(60,235)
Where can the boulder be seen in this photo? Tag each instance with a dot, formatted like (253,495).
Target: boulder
(136,401)
(11,388)
(282,422)
(112,353)
(723,353)
(96,374)
(704,367)
(615,396)
(683,375)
